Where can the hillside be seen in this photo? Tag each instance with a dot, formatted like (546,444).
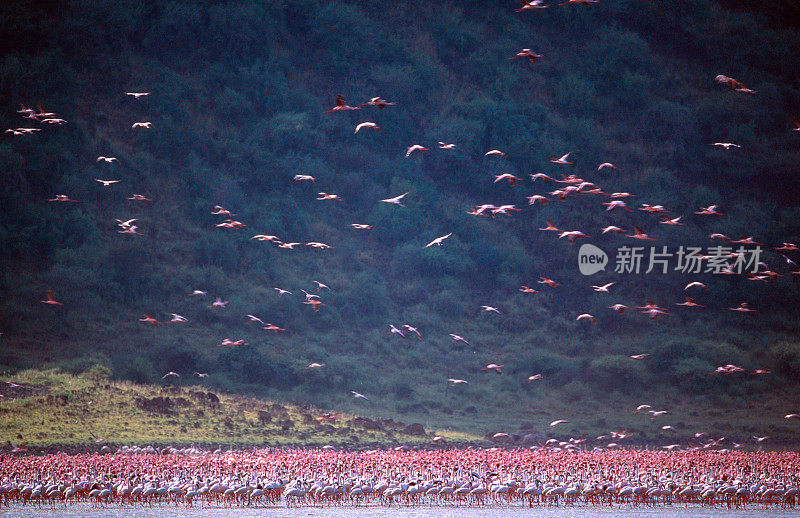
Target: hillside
(52,408)
(238,95)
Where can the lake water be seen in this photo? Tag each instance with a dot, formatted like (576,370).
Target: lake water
(85,511)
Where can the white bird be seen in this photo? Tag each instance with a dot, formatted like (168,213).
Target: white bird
(490,309)
(127,223)
(106,183)
(455,381)
(443,145)
(198,292)
(494,152)
(695,284)
(254,318)
(603,288)
(142,125)
(137,95)
(200,375)
(357,395)
(178,318)
(394,330)
(314,365)
(415,147)
(726,145)
(282,291)
(106,159)
(438,240)
(395,200)
(367,125)
(606,164)
(170,373)
(560,421)
(585,316)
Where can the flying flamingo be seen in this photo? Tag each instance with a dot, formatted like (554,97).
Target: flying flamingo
(51,300)
(341,105)
(415,147)
(371,125)
(395,200)
(377,101)
(638,234)
(314,365)
(456,338)
(528,53)
(438,240)
(494,367)
(584,316)
(562,160)
(150,320)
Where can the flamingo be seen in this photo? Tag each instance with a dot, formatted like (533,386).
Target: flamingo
(106,183)
(357,395)
(150,320)
(394,330)
(253,318)
(744,307)
(535,377)
(551,227)
(395,200)
(526,289)
(444,145)
(638,356)
(562,160)
(412,329)
(641,407)
(722,237)
(455,381)
(696,284)
(178,318)
(616,204)
(200,375)
(328,196)
(281,292)
(689,303)
(457,338)
(604,287)
(549,282)
(638,234)
(273,327)
(371,125)
(536,197)
(619,308)
(438,241)
(314,365)
(675,221)
(726,145)
(585,316)
(62,197)
(198,292)
(106,159)
(361,226)
(145,125)
(170,374)
(490,309)
(494,367)
(558,422)
(219,303)
(377,101)
(532,4)
(541,176)
(415,147)
(303,178)
(130,230)
(341,105)
(604,165)
(529,54)
(612,228)
(137,95)
(512,180)
(138,197)
(315,304)
(51,299)
(711,210)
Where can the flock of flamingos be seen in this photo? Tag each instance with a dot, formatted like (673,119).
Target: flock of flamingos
(553,473)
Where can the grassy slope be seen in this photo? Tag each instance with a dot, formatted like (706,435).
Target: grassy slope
(58,408)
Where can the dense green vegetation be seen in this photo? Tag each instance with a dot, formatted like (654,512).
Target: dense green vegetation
(238,94)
